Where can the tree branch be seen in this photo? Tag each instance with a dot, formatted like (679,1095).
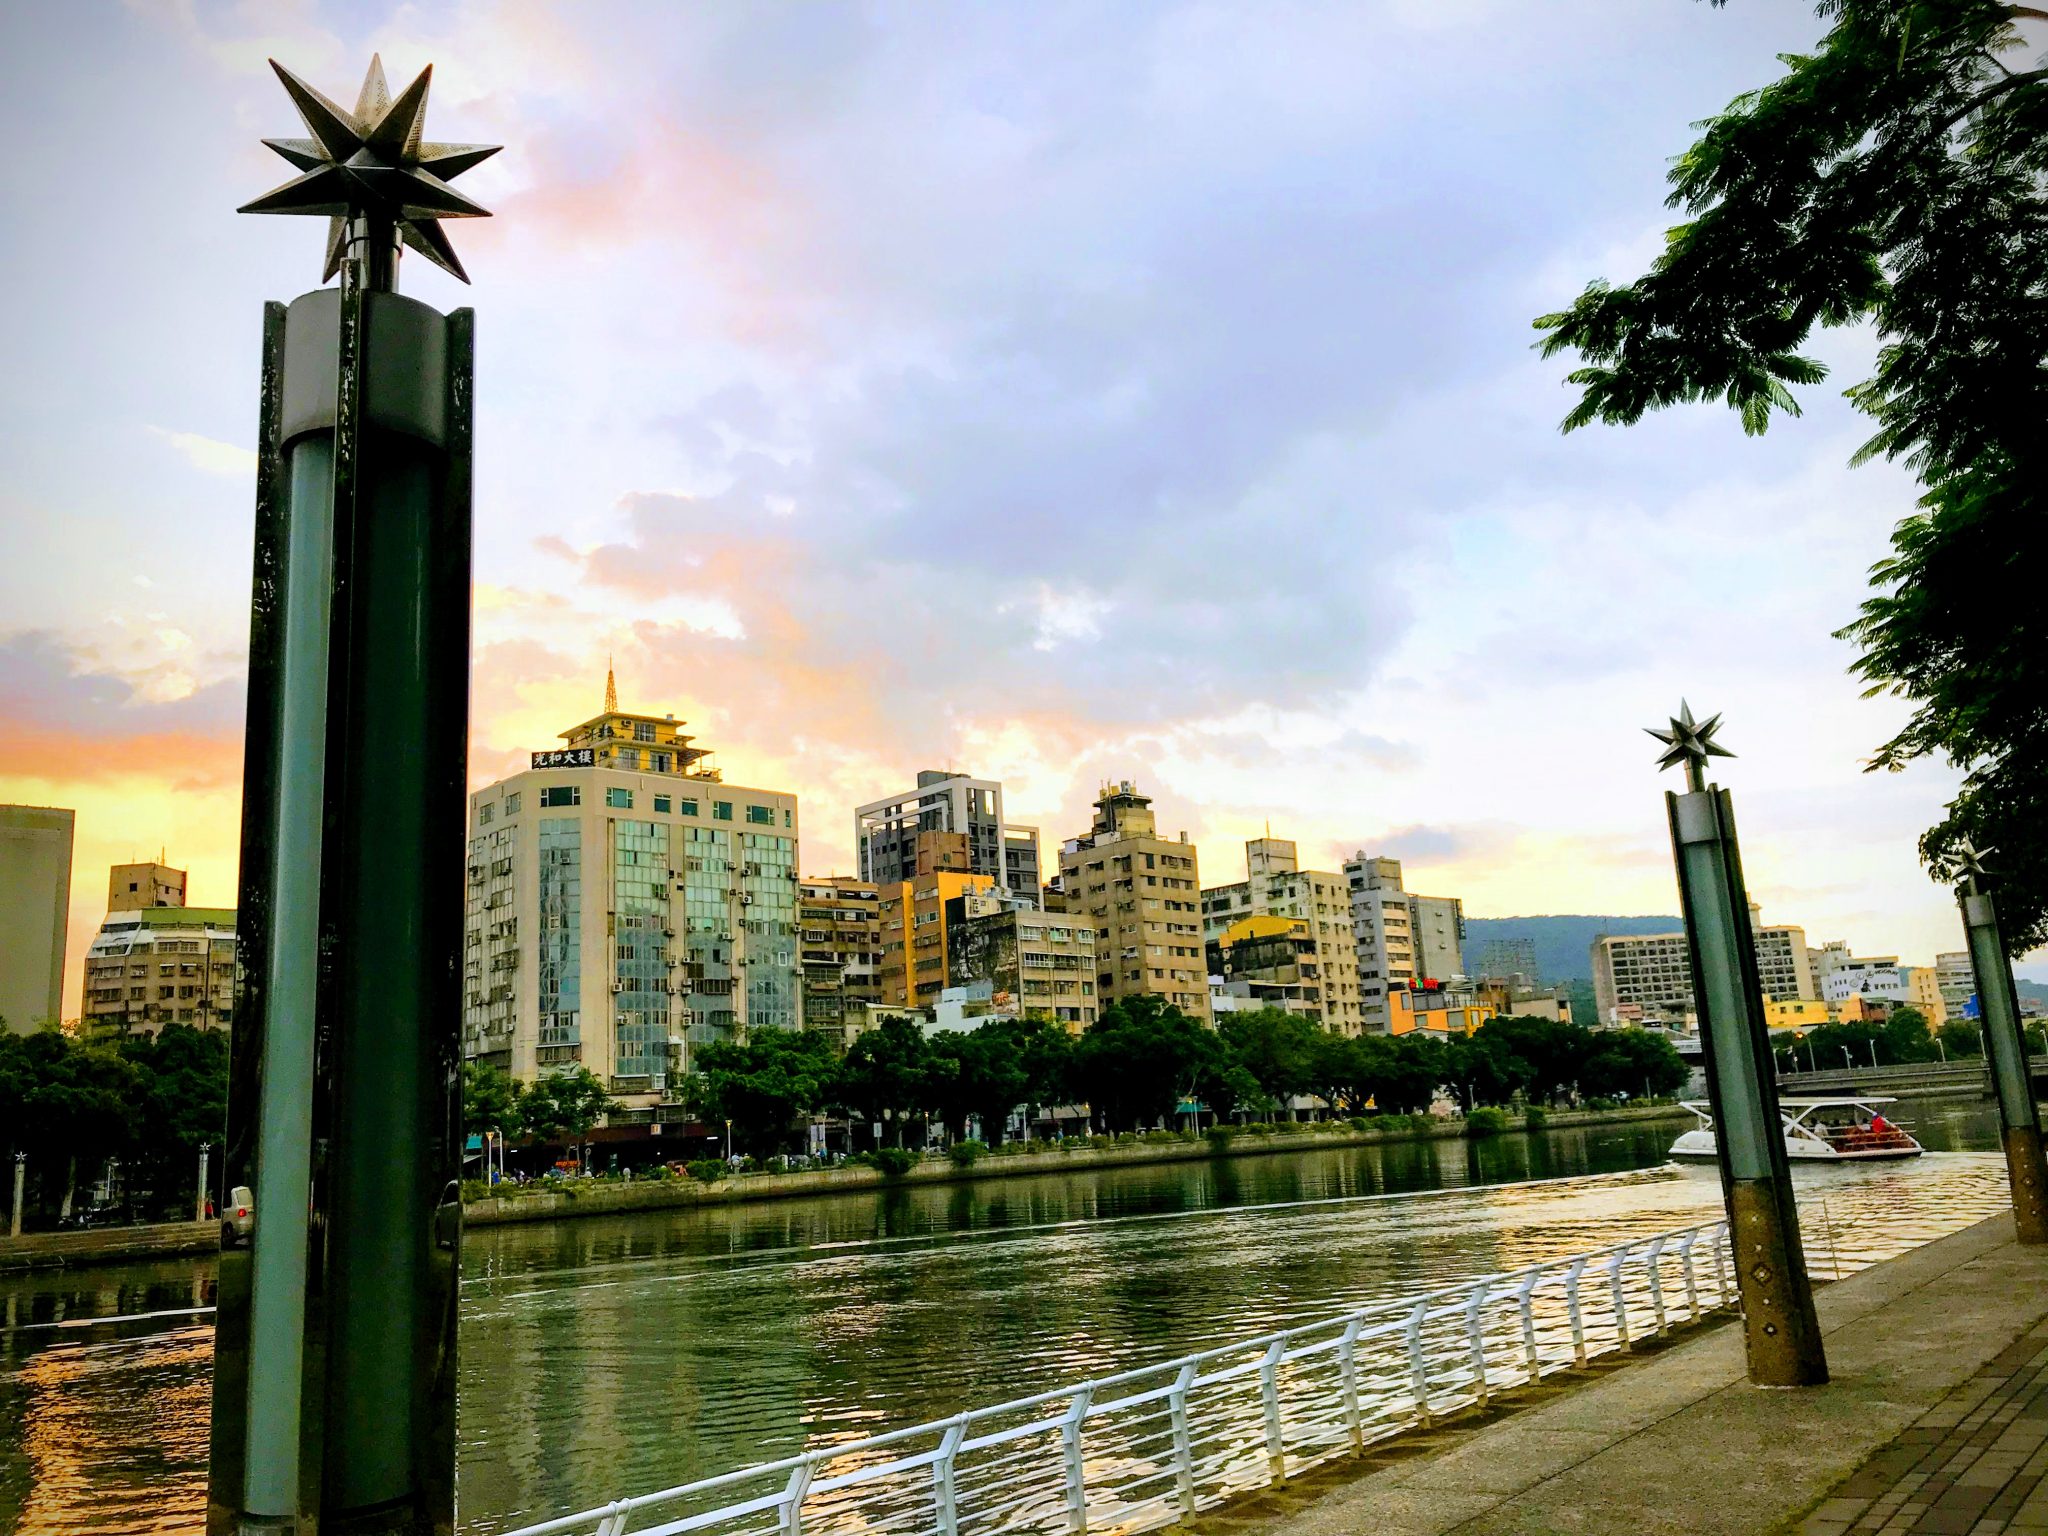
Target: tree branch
(1991,92)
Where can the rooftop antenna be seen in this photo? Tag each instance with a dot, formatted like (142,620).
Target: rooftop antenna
(611,689)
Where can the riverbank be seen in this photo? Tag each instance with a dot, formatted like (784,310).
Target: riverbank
(604,1198)
(1915,1346)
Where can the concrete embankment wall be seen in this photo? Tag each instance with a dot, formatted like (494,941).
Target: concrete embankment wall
(603,1199)
(60,1250)
(63,1250)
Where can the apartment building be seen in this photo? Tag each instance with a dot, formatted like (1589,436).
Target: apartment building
(1398,936)
(1034,963)
(1143,892)
(886,831)
(35,912)
(1275,885)
(1955,980)
(1435,1009)
(1273,962)
(1923,991)
(1648,976)
(839,947)
(156,961)
(625,907)
(914,915)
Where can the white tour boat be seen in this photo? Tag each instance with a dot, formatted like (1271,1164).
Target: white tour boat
(1816,1131)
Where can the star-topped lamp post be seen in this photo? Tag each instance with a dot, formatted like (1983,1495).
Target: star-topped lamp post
(1781,1332)
(334,1379)
(2004,1043)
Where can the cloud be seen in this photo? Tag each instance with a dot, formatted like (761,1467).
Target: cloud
(213,458)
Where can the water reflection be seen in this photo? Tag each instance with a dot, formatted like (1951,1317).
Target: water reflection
(608,1356)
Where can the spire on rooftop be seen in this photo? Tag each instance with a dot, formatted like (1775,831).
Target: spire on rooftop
(611,689)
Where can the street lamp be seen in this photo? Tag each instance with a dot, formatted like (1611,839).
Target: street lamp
(1848,1061)
(199,1199)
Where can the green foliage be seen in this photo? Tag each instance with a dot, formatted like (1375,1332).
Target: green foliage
(766,1085)
(965,1154)
(1535,1119)
(490,1099)
(1220,1138)
(894,1162)
(565,1107)
(1142,1058)
(1486,1122)
(1894,174)
(708,1170)
(885,1073)
(1960,1037)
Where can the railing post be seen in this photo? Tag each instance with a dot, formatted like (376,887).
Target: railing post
(1655,1259)
(1722,1284)
(1692,1288)
(793,1499)
(1269,1390)
(1347,1366)
(614,1521)
(1475,1336)
(1578,1316)
(1620,1297)
(1070,1444)
(1418,1373)
(1183,1442)
(1528,1304)
(944,1495)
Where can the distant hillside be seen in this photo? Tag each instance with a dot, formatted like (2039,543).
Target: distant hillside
(1561,942)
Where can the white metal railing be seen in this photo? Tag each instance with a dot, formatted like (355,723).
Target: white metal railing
(1147,1447)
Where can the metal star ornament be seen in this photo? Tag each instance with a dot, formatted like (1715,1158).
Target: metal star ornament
(1967,860)
(372,165)
(1690,742)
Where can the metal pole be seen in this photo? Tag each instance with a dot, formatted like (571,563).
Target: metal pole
(2006,1044)
(199,1196)
(1781,1332)
(20,1181)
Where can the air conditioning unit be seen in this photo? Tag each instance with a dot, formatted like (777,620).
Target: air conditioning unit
(618,986)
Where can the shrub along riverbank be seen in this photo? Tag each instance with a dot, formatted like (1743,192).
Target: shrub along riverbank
(553,1200)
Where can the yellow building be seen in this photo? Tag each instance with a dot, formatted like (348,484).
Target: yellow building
(913,970)
(1435,1010)
(1795,1012)
(1273,961)
(1145,895)
(1923,991)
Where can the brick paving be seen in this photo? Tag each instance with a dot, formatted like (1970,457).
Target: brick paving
(1975,1464)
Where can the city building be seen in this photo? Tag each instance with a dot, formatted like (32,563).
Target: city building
(1507,960)
(138,887)
(1796,1013)
(1435,1008)
(1511,995)
(35,912)
(1144,893)
(839,947)
(1275,885)
(885,832)
(1955,980)
(1273,961)
(1398,937)
(1923,991)
(912,970)
(1032,962)
(159,965)
(625,907)
(1641,977)
(1844,976)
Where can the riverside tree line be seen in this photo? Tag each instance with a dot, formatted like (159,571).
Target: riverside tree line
(1143,1065)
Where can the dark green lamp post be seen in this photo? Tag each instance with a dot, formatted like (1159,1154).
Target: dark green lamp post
(1780,1330)
(334,1385)
(2005,1043)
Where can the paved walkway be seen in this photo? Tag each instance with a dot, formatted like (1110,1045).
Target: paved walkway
(1681,1445)
(1973,1465)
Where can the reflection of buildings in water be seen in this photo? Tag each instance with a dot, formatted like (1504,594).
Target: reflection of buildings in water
(115,1434)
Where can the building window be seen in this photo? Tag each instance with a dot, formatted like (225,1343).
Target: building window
(643,730)
(483,816)
(689,808)
(619,799)
(512,804)
(561,794)
(721,810)
(660,761)
(761,815)
(661,805)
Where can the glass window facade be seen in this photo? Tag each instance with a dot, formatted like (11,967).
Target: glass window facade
(640,904)
(619,799)
(768,904)
(560,968)
(561,795)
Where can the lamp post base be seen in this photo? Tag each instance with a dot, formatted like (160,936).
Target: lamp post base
(2026,1165)
(1781,1334)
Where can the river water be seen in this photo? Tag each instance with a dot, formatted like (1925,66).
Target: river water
(612,1356)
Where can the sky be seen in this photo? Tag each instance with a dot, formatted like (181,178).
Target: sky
(1058,393)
